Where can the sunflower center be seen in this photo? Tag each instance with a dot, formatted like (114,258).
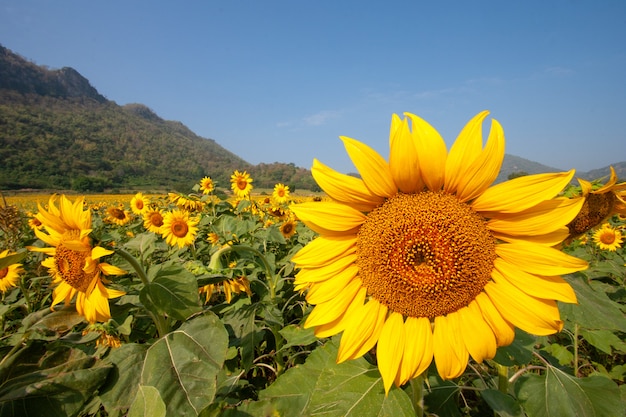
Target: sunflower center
(424,255)
(4,272)
(242,183)
(608,237)
(156,219)
(596,208)
(117,213)
(139,204)
(69,264)
(180,229)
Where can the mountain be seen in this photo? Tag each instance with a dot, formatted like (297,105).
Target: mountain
(58,132)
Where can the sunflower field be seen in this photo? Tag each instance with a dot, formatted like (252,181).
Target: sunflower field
(407,292)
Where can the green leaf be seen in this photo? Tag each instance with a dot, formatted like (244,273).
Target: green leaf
(173,291)
(61,390)
(595,310)
(13,259)
(604,340)
(143,243)
(121,386)
(297,336)
(557,394)
(561,353)
(148,403)
(184,364)
(321,386)
(517,353)
(442,396)
(504,405)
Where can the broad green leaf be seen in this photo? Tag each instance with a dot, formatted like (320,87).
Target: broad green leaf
(60,390)
(297,336)
(558,394)
(517,353)
(121,386)
(51,326)
(322,387)
(173,291)
(143,244)
(184,364)
(13,259)
(148,403)
(502,404)
(561,353)
(441,397)
(604,340)
(595,310)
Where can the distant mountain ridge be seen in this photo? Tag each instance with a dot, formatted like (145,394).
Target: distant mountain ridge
(58,131)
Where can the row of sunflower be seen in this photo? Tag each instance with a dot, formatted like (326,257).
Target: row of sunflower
(419,288)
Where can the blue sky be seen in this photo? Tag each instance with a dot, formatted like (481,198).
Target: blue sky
(280,80)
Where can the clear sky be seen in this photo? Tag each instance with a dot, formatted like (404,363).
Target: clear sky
(281,80)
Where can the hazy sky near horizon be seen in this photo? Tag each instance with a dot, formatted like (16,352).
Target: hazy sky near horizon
(281,80)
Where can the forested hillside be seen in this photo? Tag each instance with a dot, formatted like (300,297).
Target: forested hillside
(57,132)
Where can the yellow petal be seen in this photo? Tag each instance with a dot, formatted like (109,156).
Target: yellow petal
(339,324)
(327,271)
(480,340)
(403,162)
(484,170)
(609,184)
(324,250)
(109,269)
(546,217)
(465,150)
(390,349)
(98,252)
(450,353)
(329,218)
(521,193)
(533,315)
(362,330)
(431,152)
(550,288)
(327,312)
(345,188)
(418,349)
(502,329)
(320,292)
(539,259)
(550,239)
(373,168)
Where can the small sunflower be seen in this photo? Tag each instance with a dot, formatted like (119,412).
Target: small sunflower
(9,275)
(73,262)
(241,184)
(117,215)
(33,222)
(179,228)
(600,203)
(281,193)
(206,185)
(153,220)
(139,204)
(425,260)
(288,228)
(608,238)
(186,202)
(213,238)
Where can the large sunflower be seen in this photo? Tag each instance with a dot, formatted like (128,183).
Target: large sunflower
(424,259)
(73,263)
(139,203)
(241,184)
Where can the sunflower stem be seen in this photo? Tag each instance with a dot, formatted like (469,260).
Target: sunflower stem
(576,350)
(215,264)
(159,320)
(503,378)
(417,394)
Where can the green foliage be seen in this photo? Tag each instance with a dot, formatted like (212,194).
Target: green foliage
(246,353)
